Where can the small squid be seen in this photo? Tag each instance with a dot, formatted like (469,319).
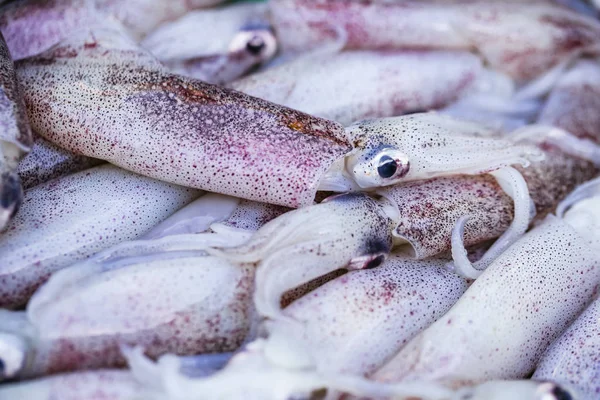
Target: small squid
(501,326)
(215,45)
(56,227)
(47,161)
(31,26)
(521,38)
(354,85)
(15,136)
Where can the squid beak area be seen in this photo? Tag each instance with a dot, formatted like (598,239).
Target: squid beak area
(11,197)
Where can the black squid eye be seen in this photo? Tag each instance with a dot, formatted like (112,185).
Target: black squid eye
(255,45)
(387,167)
(561,394)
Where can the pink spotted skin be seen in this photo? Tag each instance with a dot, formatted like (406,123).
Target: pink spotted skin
(116,103)
(151,304)
(504,322)
(356,322)
(522,39)
(89,385)
(573,359)
(429,209)
(56,226)
(33,26)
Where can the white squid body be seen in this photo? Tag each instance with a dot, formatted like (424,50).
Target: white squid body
(353,85)
(511,314)
(522,39)
(572,360)
(31,27)
(89,385)
(130,111)
(356,322)
(56,226)
(173,301)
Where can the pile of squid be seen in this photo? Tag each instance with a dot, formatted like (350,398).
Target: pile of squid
(299,199)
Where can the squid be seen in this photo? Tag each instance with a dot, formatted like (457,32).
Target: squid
(222,144)
(15,137)
(176,129)
(355,85)
(31,26)
(534,290)
(46,161)
(56,228)
(521,39)
(215,45)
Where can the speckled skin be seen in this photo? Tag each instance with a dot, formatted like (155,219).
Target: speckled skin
(347,231)
(250,215)
(184,304)
(520,38)
(47,161)
(33,26)
(573,102)
(127,110)
(56,225)
(349,86)
(92,385)
(356,322)
(429,209)
(503,323)
(574,358)
(15,136)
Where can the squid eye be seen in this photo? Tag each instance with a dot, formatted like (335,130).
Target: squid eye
(255,45)
(387,167)
(561,394)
